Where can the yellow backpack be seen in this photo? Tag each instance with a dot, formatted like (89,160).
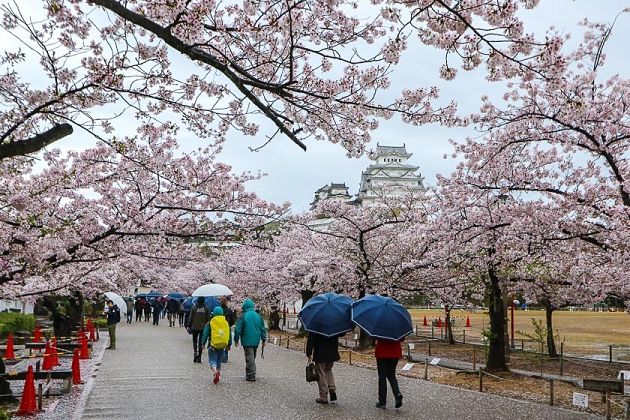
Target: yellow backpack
(220,333)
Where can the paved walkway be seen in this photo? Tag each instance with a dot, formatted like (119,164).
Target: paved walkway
(151,376)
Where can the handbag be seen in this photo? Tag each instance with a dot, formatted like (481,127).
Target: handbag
(311,373)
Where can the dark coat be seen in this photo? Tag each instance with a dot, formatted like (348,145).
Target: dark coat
(113,315)
(229,315)
(323,349)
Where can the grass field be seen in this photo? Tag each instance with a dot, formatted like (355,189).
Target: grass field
(584,333)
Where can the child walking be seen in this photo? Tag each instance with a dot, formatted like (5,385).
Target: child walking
(218,337)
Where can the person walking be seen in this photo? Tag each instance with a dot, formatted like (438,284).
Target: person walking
(139,307)
(129,303)
(172,307)
(218,337)
(250,331)
(147,310)
(113,318)
(324,351)
(180,312)
(197,320)
(231,320)
(387,353)
(157,310)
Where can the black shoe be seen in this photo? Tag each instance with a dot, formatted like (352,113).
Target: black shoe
(333,396)
(251,379)
(321,401)
(379,405)
(398,401)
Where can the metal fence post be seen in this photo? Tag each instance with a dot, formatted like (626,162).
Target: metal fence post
(480,380)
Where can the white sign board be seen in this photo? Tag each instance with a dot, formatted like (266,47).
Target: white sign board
(356,336)
(435,361)
(275,340)
(625,374)
(412,346)
(407,366)
(580,400)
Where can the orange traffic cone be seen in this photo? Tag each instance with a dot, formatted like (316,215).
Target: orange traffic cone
(37,335)
(439,324)
(90,328)
(468,322)
(55,352)
(9,353)
(85,352)
(424,323)
(28,404)
(49,363)
(76,368)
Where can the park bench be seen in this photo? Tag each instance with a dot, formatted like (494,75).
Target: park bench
(63,375)
(61,346)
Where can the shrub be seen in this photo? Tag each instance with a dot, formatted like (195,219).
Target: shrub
(4,415)
(12,322)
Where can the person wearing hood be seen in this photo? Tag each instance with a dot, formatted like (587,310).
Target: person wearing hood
(250,331)
(217,336)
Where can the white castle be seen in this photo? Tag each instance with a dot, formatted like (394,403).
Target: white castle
(390,176)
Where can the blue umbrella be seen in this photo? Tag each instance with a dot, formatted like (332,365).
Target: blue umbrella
(382,317)
(151,295)
(176,295)
(209,303)
(327,314)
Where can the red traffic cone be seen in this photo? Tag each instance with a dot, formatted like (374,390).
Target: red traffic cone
(9,353)
(49,363)
(439,325)
(468,322)
(76,368)
(37,335)
(80,332)
(424,323)
(55,352)
(28,404)
(85,352)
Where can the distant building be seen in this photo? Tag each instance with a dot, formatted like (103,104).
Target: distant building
(390,176)
(7,305)
(335,192)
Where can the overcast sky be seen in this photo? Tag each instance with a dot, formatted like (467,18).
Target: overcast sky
(293,175)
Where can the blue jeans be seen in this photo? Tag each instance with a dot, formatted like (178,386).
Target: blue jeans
(215,357)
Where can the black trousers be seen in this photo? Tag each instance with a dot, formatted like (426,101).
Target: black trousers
(386,372)
(197,336)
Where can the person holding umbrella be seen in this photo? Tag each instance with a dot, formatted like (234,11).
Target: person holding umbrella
(326,317)
(389,322)
(324,351)
(388,353)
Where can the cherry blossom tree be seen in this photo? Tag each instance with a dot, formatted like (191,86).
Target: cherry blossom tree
(311,69)
(132,199)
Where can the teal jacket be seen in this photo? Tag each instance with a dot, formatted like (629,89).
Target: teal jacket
(250,327)
(207,331)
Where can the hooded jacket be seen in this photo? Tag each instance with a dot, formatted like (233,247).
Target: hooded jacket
(250,327)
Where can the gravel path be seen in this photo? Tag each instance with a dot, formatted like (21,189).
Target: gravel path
(151,375)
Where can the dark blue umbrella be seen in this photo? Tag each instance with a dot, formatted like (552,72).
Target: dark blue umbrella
(176,295)
(209,303)
(382,317)
(327,314)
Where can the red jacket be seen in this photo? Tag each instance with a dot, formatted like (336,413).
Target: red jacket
(386,349)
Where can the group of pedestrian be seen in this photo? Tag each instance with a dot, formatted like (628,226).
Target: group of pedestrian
(324,352)
(214,332)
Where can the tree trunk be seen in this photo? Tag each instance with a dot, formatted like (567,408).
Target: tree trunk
(6,396)
(306,296)
(365,341)
(551,342)
(449,327)
(496,351)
